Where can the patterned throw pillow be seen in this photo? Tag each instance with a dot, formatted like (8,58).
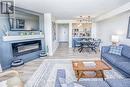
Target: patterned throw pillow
(116,50)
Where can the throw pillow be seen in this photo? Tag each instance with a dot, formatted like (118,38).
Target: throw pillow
(116,50)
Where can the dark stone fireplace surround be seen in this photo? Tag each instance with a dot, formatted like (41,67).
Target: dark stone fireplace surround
(26,47)
(7,53)
(22,48)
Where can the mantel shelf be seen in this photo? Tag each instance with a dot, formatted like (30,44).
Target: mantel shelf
(25,37)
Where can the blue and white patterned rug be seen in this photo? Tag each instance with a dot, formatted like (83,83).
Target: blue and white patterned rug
(70,75)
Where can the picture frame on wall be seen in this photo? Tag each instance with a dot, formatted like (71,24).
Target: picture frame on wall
(7,7)
(128,31)
(54,30)
(20,23)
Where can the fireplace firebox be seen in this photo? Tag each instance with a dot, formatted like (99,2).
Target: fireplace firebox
(22,48)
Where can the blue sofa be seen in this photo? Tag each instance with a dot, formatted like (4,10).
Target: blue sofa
(121,63)
(107,83)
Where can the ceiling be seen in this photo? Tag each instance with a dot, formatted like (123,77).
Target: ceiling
(69,9)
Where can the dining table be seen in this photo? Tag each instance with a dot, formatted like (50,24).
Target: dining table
(85,44)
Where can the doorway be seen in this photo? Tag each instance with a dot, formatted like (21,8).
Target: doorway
(63,32)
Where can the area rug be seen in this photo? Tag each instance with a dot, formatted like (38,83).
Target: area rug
(70,75)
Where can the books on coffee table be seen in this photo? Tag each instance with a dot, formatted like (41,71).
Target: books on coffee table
(89,64)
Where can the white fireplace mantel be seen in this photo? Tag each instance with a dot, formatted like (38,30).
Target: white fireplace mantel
(25,37)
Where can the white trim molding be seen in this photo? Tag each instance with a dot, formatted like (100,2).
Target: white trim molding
(114,12)
(24,37)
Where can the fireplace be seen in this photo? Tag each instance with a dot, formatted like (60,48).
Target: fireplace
(22,48)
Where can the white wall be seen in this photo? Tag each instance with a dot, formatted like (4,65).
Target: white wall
(115,25)
(63,32)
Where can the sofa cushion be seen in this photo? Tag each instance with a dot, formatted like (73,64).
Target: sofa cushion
(115,58)
(94,83)
(125,66)
(126,51)
(116,50)
(119,82)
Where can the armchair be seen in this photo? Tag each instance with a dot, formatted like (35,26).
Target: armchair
(14,81)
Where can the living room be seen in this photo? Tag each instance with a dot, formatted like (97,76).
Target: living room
(64,43)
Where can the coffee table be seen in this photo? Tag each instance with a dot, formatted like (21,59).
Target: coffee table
(79,68)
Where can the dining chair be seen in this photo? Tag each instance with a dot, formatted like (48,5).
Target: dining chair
(76,45)
(95,45)
(84,45)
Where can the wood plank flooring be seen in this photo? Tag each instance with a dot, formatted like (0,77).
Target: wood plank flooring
(63,52)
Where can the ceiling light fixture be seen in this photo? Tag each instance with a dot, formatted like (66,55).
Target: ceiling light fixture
(84,19)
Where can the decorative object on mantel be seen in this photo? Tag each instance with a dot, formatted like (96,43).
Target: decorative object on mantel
(115,39)
(5,31)
(11,22)
(31,33)
(41,33)
(128,31)
(26,33)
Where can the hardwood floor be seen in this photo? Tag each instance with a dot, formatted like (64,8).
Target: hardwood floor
(63,52)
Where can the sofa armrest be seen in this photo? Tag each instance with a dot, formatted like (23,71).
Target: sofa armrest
(15,73)
(105,49)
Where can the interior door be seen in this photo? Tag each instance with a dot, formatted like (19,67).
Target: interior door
(63,32)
